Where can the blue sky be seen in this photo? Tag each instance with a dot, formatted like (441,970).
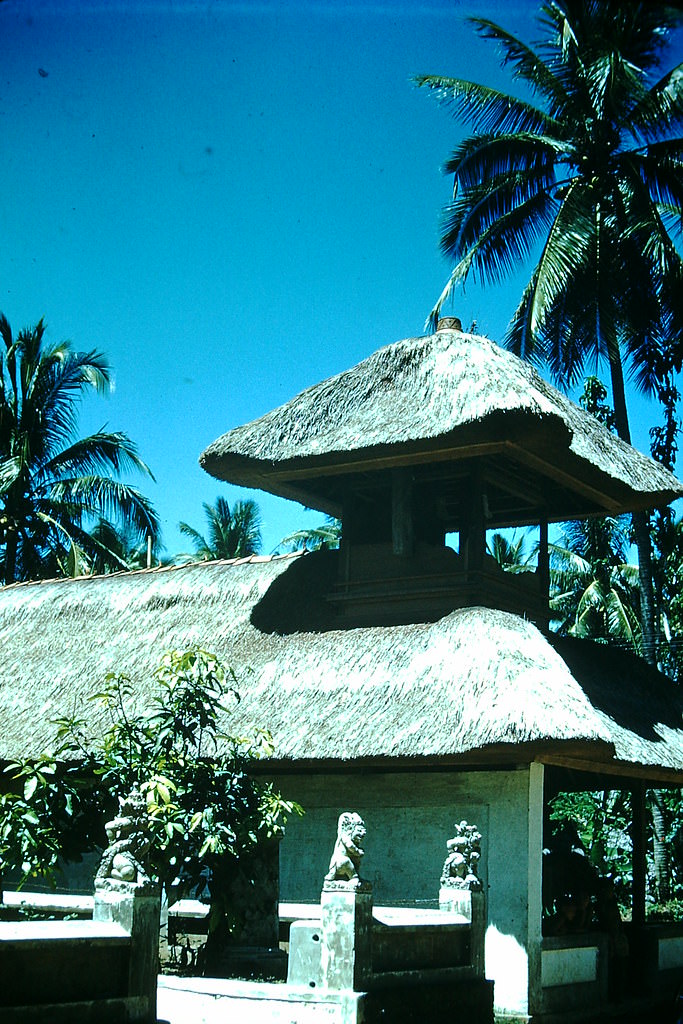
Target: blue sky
(232,201)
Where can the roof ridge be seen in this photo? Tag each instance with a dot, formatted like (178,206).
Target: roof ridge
(172,567)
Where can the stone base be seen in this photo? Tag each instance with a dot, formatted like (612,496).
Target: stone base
(251,963)
(213,1001)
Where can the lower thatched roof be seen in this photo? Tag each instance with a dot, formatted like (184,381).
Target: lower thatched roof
(474,682)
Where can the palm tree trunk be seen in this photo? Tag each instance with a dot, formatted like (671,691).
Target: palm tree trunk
(641,520)
(660,847)
(10,556)
(641,532)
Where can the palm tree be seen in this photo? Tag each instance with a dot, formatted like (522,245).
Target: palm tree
(669,579)
(52,483)
(316,538)
(594,591)
(120,550)
(233,533)
(590,180)
(510,552)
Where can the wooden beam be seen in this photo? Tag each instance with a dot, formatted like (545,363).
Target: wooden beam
(622,769)
(544,567)
(365,462)
(570,481)
(402,531)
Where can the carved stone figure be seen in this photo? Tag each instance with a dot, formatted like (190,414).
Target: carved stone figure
(129,841)
(460,870)
(348,851)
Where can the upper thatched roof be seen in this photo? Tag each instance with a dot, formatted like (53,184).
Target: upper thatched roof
(474,683)
(442,394)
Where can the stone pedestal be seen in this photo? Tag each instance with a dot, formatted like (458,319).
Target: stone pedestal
(470,904)
(137,910)
(346,936)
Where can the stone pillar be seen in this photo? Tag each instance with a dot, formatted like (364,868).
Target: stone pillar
(136,909)
(346,937)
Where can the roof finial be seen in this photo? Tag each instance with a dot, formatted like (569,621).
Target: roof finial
(449,323)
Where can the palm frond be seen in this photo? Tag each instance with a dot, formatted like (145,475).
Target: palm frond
(100,452)
(488,110)
(660,110)
(566,248)
(102,496)
(479,158)
(10,471)
(316,538)
(526,63)
(514,208)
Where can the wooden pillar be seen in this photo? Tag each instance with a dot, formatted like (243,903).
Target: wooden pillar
(639,853)
(544,570)
(475,530)
(402,530)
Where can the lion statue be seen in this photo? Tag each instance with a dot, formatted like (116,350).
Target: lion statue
(348,850)
(460,870)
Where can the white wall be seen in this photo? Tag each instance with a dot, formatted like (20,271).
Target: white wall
(409,817)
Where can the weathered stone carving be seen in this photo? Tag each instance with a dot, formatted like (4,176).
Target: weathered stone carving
(460,870)
(347,854)
(129,840)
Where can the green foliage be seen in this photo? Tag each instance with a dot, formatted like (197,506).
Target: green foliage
(603,822)
(594,591)
(668,546)
(323,537)
(233,532)
(48,816)
(593,401)
(510,552)
(53,483)
(119,549)
(206,811)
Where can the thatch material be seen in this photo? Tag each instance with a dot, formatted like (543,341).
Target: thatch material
(449,389)
(473,681)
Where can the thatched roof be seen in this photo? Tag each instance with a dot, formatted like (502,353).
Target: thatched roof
(476,684)
(439,396)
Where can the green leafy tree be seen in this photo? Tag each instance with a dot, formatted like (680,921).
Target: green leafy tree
(323,537)
(594,590)
(232,532)
(669,576)
(604,821)
(53,483)
(208,815)
(586,177)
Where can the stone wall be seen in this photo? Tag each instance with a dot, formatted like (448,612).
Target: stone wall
(410,816)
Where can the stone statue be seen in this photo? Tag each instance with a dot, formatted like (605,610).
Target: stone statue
(460,870)
(347,853)
(129,841)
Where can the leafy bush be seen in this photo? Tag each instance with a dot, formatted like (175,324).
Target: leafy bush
(206,811)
